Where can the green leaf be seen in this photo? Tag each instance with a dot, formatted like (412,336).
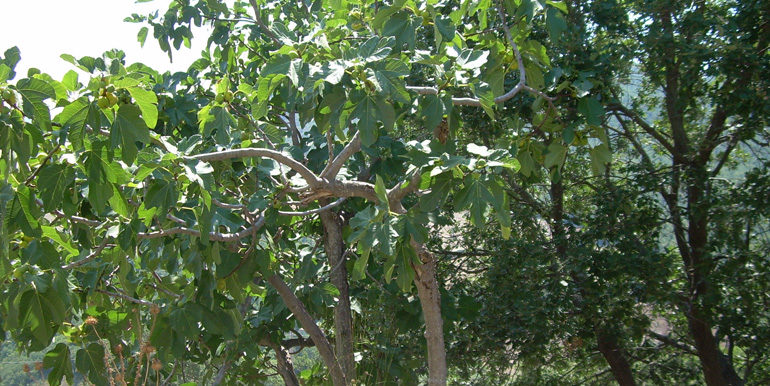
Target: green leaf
(34,92)
(12,57)
(52,181)
(381,192)
(600,157)
(58,360)
(162,194)
(119,204)
(216,118)
(265,87)
(527,162)
(40,314)
(367,113)
(439,191)
(389,80)
(128,129)
(90,361)
(403,27)
(24,195)
(295,71)
(70,80)
(99,177)
(75,117)
(142,36)
(555,23)
(375,49)
(54,235)
(286,36)
(148,103)
(555,155)
(406,257)
(568,134)
(474,196)
(5,72)
(431,111)
(445,27)
(560,5)
(592,110)
(359,267)
(472,59)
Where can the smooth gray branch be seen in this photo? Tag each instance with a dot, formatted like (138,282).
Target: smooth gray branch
(214,236)
(126,297)
(252,152)
(313,211)
(521,85)
(90,257)
(332,168)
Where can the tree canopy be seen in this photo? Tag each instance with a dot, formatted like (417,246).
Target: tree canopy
(417,191)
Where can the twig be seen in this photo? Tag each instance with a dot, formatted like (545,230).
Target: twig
(45,161)
(126,297)
(281,158)
(226,205)
(333,167)
(259,21)
(314,211)
(90,257)
(214,236)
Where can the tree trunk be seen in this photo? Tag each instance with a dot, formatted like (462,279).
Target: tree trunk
(343,320)
(309,325)
(608,345)
(430,300)
(614,355)
(715,370)
(285,367)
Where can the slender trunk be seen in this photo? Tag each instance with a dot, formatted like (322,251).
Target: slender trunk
(696,260)
(557,218)
(430,300)
(221,374)
(343,320)
(614,355)
(608,345)
(285,366)
(309,325)
(715,370)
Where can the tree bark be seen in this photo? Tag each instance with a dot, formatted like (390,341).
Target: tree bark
(614,355)
(343,320)
(608,345)
(309,325)
(430,300)
(285,366)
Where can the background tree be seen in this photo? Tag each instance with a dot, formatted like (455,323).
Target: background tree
(156,219)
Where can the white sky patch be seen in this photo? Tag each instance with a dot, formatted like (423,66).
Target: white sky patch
(45,29)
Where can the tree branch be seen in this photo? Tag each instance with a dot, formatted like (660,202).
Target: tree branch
(214,236)
(45,161)
(125,297)
(726,154)
(90,257)
(314,211)
(667,340)
(332,168)
(644,125)
(259,21)
(398,192)
(521,85)
(226,205)
(303,171)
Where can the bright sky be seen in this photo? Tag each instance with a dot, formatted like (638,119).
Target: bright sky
(45,29)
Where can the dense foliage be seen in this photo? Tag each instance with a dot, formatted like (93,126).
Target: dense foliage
(411,191)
